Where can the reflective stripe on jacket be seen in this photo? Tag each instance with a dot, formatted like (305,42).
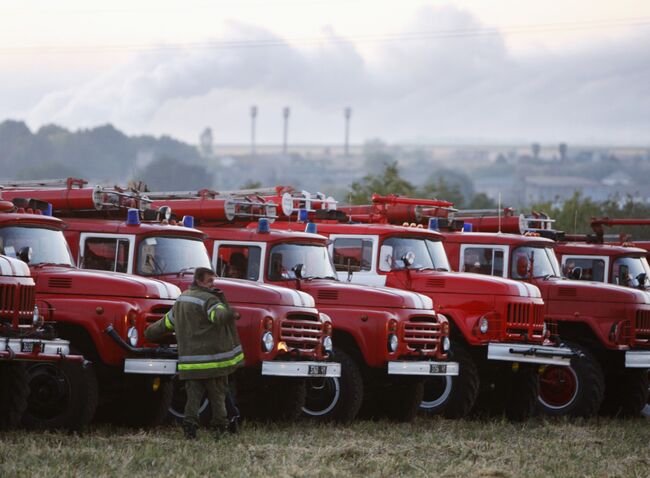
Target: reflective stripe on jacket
(206,333)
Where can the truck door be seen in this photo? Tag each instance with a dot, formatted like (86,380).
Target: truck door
(355,258)
(484,259)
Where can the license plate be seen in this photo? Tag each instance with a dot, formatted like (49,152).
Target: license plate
(317,370)
(437,368)
(27,346)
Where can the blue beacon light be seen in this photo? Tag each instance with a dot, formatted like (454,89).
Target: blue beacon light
(188,221)
(311,228)
(302,215)
(433,224)
(133,217)
(263,226)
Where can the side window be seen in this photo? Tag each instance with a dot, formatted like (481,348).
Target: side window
(352,254)
(106,254)
(239,262)
(483,260)
(591,269)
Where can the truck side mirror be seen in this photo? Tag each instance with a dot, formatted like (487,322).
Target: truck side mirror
(386,258)
(297,270)
(408,258)
(25,254)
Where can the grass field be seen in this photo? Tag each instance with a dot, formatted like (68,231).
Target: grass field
(428,447)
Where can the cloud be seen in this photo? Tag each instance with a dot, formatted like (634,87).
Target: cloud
(467,87)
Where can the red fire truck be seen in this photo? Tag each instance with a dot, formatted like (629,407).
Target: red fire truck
(586,257)
(285,339)
(386,339)
(28,350)
(608,324)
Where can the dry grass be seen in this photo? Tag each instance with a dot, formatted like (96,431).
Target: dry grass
(431,447)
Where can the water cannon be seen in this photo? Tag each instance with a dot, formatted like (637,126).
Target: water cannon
(507,221)
(208,205)
(73,195)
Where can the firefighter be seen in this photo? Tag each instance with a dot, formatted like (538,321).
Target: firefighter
(208,348)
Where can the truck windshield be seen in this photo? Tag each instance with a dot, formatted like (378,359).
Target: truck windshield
(534,262)
(630,272)
(424,254)
(48,246)
(171,255)
(314,259)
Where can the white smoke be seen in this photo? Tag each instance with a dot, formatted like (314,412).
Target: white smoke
(469,87)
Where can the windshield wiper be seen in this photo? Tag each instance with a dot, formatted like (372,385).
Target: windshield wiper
(46,264)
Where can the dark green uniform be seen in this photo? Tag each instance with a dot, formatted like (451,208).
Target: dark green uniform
(208,348)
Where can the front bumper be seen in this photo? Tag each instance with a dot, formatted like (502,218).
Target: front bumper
(428,368)
(36,349)
(637,359)
(150,366)
(301,369)
(526,353)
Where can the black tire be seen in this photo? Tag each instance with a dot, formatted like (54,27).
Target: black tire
(176,410)
(626,392)
(573,391)
(401,400)
(14,392)
(337,399)
(146,400)
(62,395)
(523,392)
(288,399)
(646,409)
(453,397)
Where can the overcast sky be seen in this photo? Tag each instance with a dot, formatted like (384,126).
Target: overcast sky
(468,70)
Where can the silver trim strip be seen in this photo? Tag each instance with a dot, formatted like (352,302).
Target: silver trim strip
(150,366)
(191,300)
(527,353)
(422,368)
(300,369)
(637,359)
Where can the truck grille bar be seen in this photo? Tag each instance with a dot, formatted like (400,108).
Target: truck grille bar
(17,304)
(525,319)
(642,326)
(422,336)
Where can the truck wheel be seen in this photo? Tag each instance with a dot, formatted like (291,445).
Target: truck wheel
(453,397)
(402,399)
(176,411)
(14,390)
(646,410)
(626,392)
(62,395)
(146,400)
(523,393)
(336,398)
(288,399)
(574,391)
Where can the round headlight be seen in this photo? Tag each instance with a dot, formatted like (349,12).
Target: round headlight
(483,325)
(267,341)
(327,344)
(392,342)
(446,344)
(132,335)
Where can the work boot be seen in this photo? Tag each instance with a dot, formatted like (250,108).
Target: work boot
(233,425)
(220,431)
(189,429)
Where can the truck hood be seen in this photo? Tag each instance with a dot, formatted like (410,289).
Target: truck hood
(245,291)
(468,283)
(13,267)
(63,280)
(332,292)
(565,289)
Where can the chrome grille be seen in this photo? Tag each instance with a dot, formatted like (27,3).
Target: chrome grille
(17,303)
(422,335)
(642,325)
(525,318)
(301,331)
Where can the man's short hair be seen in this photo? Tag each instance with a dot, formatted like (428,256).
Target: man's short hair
(200,273)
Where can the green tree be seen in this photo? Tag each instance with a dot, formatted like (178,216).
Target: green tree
(481,201)
(443,190)
(387,182)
